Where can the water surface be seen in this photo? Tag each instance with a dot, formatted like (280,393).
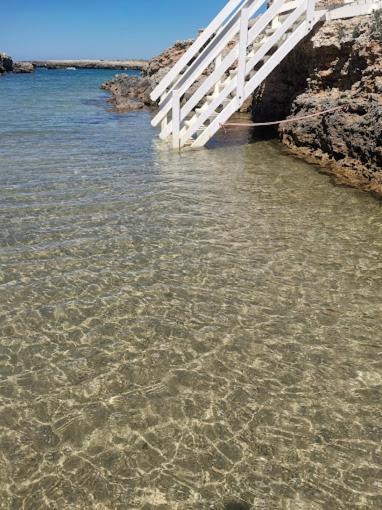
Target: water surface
(179,331)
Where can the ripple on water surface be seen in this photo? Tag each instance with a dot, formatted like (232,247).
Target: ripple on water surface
(179,331)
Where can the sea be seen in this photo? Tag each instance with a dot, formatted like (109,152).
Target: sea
(185,331)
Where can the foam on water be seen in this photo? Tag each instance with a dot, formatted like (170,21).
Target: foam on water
(179,331)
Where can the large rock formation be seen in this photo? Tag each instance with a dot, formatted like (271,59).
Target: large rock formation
(133,92)
(23,67)
(341,65)
(6,63)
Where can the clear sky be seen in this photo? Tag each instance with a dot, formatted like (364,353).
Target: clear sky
(48,29)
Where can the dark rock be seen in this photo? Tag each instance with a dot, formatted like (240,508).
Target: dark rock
(6,63)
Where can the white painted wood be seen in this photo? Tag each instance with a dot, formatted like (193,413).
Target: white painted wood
(276,31)
(164,125)
(353,9)
(218,62)
(228,61)
(175,118)
(310,14)
(243,41)
(187,79)
(195,47)
(259,55)
(276,58)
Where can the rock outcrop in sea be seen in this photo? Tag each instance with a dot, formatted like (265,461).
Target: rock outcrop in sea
(7,65)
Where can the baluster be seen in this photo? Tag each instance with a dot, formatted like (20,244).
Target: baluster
(175,119)
(244,21)
(218,61)
(164,121)
(310,13)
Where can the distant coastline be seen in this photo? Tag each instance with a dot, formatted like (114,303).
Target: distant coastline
(138,65)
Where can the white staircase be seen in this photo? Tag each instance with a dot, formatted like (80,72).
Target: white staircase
(240,48)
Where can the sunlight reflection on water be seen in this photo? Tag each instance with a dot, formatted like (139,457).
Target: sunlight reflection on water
(179,331)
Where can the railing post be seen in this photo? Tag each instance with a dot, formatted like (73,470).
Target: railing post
(310,13)
(242,64)
(164,121)
(175,119)
(218,61)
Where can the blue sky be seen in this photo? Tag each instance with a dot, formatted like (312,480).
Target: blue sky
(47,29)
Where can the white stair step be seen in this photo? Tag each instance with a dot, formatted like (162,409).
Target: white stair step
(211,98)
(202,109)
(271,31)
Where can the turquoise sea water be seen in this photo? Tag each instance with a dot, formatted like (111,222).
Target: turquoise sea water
(179,331)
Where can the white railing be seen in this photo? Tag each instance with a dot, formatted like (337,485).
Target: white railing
(244,43)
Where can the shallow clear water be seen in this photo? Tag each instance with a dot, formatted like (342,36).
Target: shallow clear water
(179,331)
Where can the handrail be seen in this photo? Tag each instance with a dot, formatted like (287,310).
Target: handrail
(275,59)
(291,19)
(195,48)
(226,63)
(231,59)
(205,58)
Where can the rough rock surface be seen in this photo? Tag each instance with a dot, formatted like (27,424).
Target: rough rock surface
(23,67)
(341,65)
(132,92)
(129,92)
(6,63)
(138,89)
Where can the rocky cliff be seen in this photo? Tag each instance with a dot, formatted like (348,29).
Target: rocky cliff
(341,65)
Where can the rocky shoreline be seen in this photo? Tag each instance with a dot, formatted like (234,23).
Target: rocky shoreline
(137,65)
(340,65)
(7,65)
